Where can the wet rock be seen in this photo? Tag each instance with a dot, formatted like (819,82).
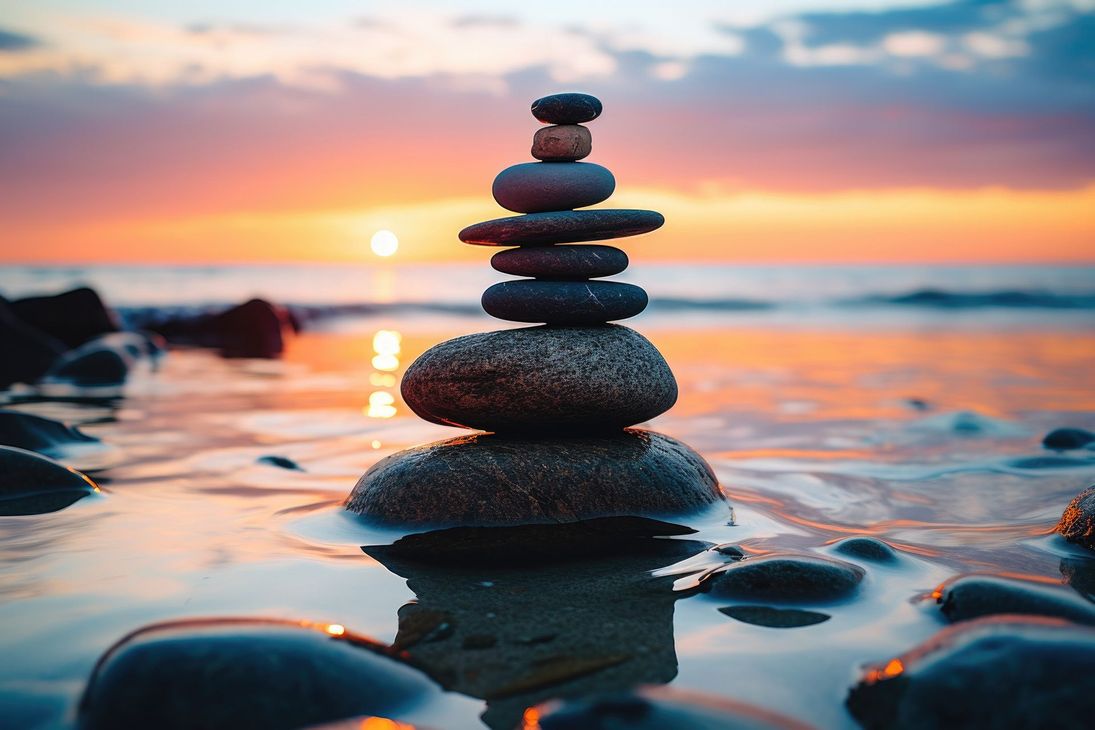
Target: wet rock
(43,435)
(255,328)
(1080,574)
(245,673)
(541,379)
(866,548)
(73,317)
(991,673)
(493,480)
(536,187)
(775,618)
(564,302)
(94,364)
(562,143)
(787,577)
(1078,520)
(568,226)
(567,108)
(280,461)
(1065,439)
(973,596)
(28,351)
(730,550)
(560,262)
(32,484)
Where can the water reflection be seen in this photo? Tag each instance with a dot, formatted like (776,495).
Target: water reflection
(387,345)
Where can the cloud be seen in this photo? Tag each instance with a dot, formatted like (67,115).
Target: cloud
(10,41)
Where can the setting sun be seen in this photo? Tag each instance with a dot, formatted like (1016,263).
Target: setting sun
(384,243)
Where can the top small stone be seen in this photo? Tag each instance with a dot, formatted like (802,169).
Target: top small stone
(570,108)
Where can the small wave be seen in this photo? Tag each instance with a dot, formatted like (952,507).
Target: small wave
(1006,298)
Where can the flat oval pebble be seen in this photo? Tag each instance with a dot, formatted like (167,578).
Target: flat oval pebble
(567,108)
(786,577)
(566,226)
(31,484)
(564,302)
(774,618)
(34,433)
(973,596)
(1066,439)
(537,187)
(562,143)
(541,379)
(1078,520)
(866,548)
(561,262)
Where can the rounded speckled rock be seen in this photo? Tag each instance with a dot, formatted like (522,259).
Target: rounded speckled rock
(787,577)
(1078,520)
(560,262)
(537,187)
(541,379)
(563,302)
(565,226)
(562,143)
(567,108)
(492,480)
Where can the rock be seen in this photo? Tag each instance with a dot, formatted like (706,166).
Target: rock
(1080,574)
(94,364)
(31,484)
(564,302)
(1065,439)
(1078,520)
(787,577)
(562,143)
(991,673)
(973,596)
(567,108)
(568,226)
(73,318)
(245,673)
(536,187)
(34,433)
(560,262)
(541,379)
(28,351)
(253,329)
(280,461)
(489,480)
(775,618)
(866,548)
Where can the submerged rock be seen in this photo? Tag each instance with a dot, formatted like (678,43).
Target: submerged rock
(72,317)
(1080,574)
(1066,439)
(34,433)
(94,364)
(775,618)
(991,673)
(973,596)
(536,187)
(566,226)
(32,484)
(541,379)
(564,302)
(787,577)
(1078,520)
(255,328)
(866,548)
(281,462)
(490,480)
(245,673)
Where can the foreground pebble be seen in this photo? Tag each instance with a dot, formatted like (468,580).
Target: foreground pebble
(973,596)
(564,302)
(1066,439)
(774,618)
(536,187)
(32,484)
(562,143)
(1078,520)
(787,577)
(43,435)
(560,262)
(567,226)
(866,548)
(567,108)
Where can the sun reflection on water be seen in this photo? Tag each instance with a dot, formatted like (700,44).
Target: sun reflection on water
(387,346)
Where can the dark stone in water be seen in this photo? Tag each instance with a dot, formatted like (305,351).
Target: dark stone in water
(1078,520)
(280,461)
(733,551)
(560,262)
(996,673)
(541,380)
(73,317)
(28,351)
(973,596)
(255,328)
(1065,439)
(562,143)
(245,673)
(787,577)
(31,484)
(1080,574)
(567,226)
(1048,462)
(775,618)
(493,480)
(95,364)
(34,433)
(563,302)
(537,187)
(866,548)
(567,108)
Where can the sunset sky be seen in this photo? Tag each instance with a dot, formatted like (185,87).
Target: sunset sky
(764,130)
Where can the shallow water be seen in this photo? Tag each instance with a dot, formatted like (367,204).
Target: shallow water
(927,437)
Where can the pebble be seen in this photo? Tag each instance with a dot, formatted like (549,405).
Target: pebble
(541,380)
(537,187)
(866,548)
(787,577)
(562,143)
(973,596)
(564,302)
(567,108)
(561,262)
(43,435)
(282,462)
(94,364)
(1078,520)
(32,484)
(775,618)
(568,226)
(1066,439)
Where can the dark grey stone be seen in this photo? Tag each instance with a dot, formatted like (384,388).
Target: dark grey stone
(1065,439)
(541,379)
(281,462)
(567,108)
(28,351)
(566,226)
(560,262)
(493,480)
(866,548)
(34,433)
(775,618)
(73,317)
(32,484)
(91,365)
(536,187)
(562,143)
(787,577)
(973,596)
(1078,520)
(996,673)
(564,302)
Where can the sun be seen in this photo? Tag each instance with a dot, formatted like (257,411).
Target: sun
(384,243)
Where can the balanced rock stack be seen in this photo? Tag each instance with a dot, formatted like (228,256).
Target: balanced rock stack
(557,399)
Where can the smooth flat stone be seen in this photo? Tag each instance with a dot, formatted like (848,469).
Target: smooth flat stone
(567,108)
(866,548)
(562,143)
(560,262)
(563,302)
(1078,520)
(537,187)
(568,226)
(787,577)
(774,618)
(541,380)
(31,484)
(487,480)
(973,596)
(43,435)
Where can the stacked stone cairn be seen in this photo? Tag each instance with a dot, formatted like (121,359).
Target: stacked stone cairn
(557,399)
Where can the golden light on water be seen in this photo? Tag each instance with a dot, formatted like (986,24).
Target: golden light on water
(336,629)
(381,405)
(384,243)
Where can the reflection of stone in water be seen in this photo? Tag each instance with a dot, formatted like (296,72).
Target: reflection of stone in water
(518,634)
